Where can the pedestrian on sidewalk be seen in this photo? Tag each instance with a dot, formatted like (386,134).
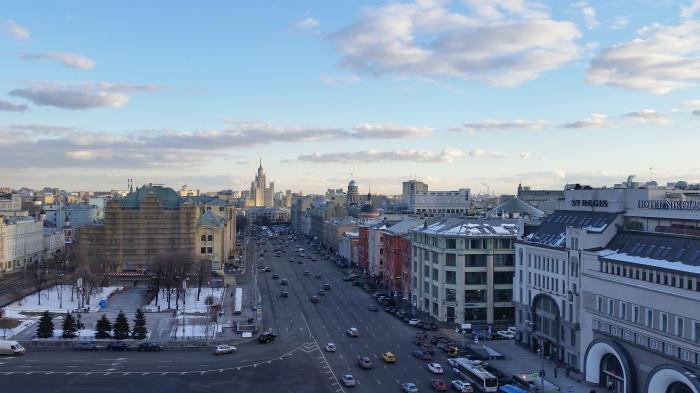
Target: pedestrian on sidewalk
(556,371)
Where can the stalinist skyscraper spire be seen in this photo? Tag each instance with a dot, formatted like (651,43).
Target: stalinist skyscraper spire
(260,194)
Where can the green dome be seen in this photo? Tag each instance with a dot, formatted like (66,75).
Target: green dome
(167,197)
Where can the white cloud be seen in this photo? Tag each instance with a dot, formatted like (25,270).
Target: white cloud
(506,125)
(70,60)
(661,59)
(689,11)
(14,30)
(487,154)
(502,44)
(648,116)
(447,155)
(692,103)
(620,22)
(589,14)
(595,120)
(307,25)
(81,95)
(529,156)
(339,80)
(12,107)
(389,130)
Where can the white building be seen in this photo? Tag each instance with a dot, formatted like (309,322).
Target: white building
(410,188)
(21,242)
(440,203)
(13,203)
(347,247)
(275,215)
(54,243)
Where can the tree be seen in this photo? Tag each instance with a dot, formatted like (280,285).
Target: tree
(139,331)
(70,327)
(103,327)
(121,327)
(45,328)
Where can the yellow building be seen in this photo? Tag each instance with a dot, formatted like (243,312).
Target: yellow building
(216,231)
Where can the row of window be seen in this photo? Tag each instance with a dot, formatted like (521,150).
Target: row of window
(470,295)
(648,342)
(205,238)
(543,282)
(470,260)
(659,277)
(653,319)
(466,244)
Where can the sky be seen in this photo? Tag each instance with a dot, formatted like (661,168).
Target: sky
(464,93)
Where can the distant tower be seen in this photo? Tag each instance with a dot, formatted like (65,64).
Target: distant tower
(352,193)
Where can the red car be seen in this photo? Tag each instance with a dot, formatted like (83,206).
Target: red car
(439,385)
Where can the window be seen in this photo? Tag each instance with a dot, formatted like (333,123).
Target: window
(475,278)
(452,243)
(653,343)
(450,260)
(474,296)
(573,337)
(679,326)
(450,277)
(503,260)
(696,331)
(649,320)
(503,295)
(520,276)
(450,295)
(426,271)
(475,260)
(503,277)
(435,274)
(476,244)
(611,307)
(434,257)
(668,349)
(203,250)
(623,310)
(664,322)
(210,238)
(635,314)
(599,303)
(203,238)
(210,250)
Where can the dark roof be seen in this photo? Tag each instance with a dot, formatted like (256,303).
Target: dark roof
(552,231)
(369,208)
(656,246)
(167,197)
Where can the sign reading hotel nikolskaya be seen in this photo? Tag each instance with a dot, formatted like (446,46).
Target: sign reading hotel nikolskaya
(665,204)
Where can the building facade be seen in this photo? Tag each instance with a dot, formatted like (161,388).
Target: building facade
(410,189)
(440,203)
(463,271)
(21,242)
(353,195)
(347,247)
(260,194)
(272,215)
(334,230)
(397,256)
(54,243)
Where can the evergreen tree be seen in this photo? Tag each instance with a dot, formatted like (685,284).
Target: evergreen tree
(45,328)
(103,327)
(139,331)
(69,326)
(121,326)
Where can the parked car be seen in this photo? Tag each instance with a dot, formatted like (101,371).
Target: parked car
(266,337)
(364,362)
(435,368)
(352,332)
(439,385)
(224,349)
(306,272)
(314,299)
(330,347)
(268,269)
(149,346)
(505,334)
(275,276)
(409,387)
(285,294)
(321,292)
(413,322)
(118,346)
(400,314)
(462,386)
(86,346)
(422,355)
(327,287)
(284,281)
(348,380)
(373,307)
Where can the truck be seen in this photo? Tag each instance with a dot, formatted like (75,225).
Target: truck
(8,347)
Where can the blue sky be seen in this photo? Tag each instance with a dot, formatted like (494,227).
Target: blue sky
(457,93)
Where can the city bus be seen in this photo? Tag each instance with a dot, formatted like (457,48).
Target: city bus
(238,301)
(474,371)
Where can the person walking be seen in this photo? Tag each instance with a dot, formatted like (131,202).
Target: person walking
(556,371)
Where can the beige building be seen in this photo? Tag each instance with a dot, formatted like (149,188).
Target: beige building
(216,232)
(334,229)
(21,242)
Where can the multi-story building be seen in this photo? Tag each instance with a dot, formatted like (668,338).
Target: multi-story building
(10,203)
(21,242)
(397,256)
(260,194)
(353,195)
(271,215)
(440,203)
(300,205)
(151,222)
(545,200)
(78,215)
(54,243)
(410,189)
(334,230)
(321,211)
(375,250)
(463,270)
(216,231)
(347,247)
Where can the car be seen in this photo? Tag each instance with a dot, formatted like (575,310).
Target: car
(299,262)
(266,337)
(285,294)
(224,349)
(462,387)
(364,362)
(348,380)
(306,273)
(373,307)
(428,325)
(284,281)
(268,269)
(439,385)
(149,346)
(505,334)
(313,259)
(400,314)
(321,292)
(409,387)
(86,346)
(407,318)
(422,355)
(327,287)
(275,276)
(435,368)
(413,321)
(389,357)
(330,347)
(318,276)
(390,310)
(352,332)
(118,346)
(314,299)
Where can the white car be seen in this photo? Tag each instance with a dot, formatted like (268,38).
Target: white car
(348,380)
(435,368)
(224,349)
(352,332)
(505,334)
(413,322)
(330,347)
(463,387)
(409,387)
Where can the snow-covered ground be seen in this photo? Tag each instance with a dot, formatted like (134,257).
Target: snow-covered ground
(56,299)
(194,331)
(191,305)
(8,333)
(84,334)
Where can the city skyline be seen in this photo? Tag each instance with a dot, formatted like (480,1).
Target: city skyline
(549,94)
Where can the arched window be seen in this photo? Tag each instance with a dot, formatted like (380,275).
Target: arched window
(210,238)
(203,238)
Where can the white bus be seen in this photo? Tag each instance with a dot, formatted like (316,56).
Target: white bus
(474,371)
(238,301)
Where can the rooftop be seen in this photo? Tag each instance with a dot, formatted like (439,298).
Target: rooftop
(167,197)
(516,205)
(471,227)
(552,231)
(674,252)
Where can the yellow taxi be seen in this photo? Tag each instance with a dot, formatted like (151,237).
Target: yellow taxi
(388,357)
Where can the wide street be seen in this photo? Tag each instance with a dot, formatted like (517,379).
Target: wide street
(295,362)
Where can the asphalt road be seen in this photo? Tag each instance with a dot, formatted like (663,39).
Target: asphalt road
(295,362)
